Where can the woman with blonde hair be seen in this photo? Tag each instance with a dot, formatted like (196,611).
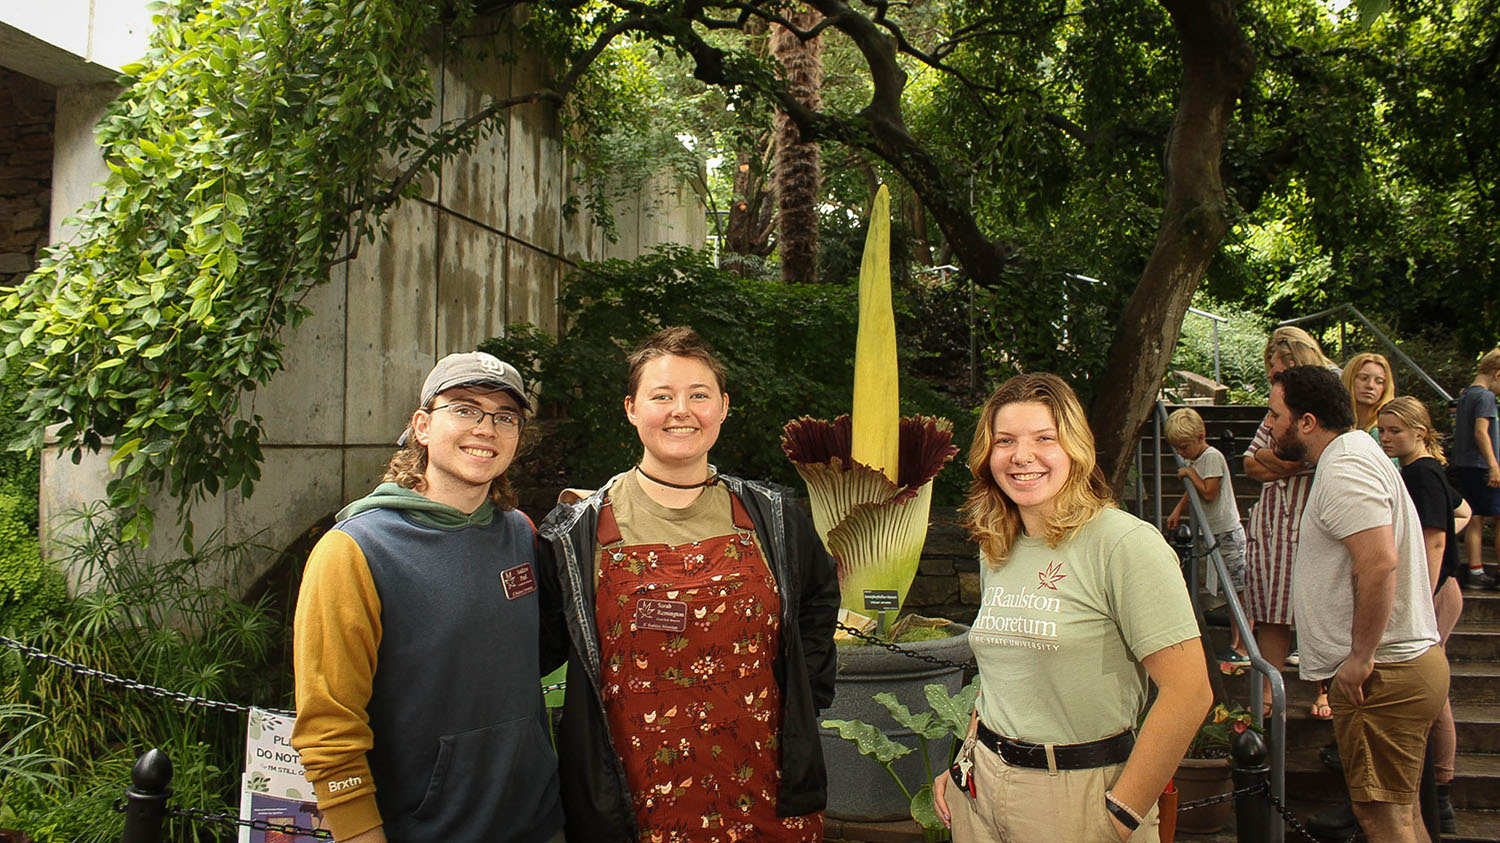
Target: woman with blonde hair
(1080,603)
(1407,435)
(1291,346)
(1271,537)
(1371,386)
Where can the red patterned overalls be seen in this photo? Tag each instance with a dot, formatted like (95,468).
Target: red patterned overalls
(687,636)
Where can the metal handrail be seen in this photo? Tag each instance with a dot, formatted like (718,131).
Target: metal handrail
(1215,321)
(1276,746)
(1389,343)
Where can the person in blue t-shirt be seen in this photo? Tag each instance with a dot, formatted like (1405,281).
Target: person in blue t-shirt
(1476,469)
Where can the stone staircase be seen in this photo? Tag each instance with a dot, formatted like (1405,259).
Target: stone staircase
(1230,429)
(1473,651)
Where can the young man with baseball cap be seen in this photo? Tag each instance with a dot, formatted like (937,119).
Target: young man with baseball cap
(415,637)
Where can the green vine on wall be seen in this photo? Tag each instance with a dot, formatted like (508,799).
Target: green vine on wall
(244,160)
(256,145)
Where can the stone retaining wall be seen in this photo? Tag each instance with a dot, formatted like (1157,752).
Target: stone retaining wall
(947,583)
(26,134)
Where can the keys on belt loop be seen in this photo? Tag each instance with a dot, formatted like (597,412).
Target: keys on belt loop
(1051,758)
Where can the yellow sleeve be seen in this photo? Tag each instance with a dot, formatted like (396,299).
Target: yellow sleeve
(335,642)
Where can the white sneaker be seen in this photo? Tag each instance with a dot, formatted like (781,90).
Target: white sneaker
(1293,659)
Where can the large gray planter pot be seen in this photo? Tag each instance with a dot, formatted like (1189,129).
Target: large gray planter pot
(858,789)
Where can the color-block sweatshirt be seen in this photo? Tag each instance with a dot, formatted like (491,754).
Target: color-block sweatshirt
(415,648)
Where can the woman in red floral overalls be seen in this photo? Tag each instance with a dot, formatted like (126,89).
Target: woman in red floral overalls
(700,610)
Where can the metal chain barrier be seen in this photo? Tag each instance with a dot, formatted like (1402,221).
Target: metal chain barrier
(1298,827)
(896,649)
(134,685)
(232,821)
(1262,789)
(128,684)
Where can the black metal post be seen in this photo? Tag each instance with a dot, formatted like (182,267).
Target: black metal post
(146,798)
(1252,811)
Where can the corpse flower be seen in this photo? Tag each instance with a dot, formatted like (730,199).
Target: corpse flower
(869,474)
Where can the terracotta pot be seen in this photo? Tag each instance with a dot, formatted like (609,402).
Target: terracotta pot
(1200,778)
(1166,811)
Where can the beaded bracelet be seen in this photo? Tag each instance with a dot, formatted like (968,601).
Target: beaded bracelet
(1122,812)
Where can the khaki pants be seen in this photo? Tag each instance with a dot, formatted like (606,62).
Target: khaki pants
(1023,805)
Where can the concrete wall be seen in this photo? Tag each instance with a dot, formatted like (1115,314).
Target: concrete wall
(484,246)
(72,42)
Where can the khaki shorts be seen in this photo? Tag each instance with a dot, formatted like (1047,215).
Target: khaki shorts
(1383,741)
(1024,805)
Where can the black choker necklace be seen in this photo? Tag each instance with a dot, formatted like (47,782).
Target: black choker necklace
(712,479)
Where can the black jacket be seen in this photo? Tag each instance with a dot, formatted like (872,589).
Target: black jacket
(596,799)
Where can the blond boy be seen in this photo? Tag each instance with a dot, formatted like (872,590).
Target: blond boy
(1208,472)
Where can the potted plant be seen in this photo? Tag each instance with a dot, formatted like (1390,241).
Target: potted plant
(1204,771)
(948,718)
(869,478)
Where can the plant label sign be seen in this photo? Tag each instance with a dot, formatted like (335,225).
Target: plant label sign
(881,600)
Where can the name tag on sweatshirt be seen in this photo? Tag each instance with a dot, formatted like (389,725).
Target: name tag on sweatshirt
(518,581)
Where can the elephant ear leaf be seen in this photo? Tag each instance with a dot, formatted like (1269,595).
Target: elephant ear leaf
(869,740)
(923,724)
(924,811)
(953,711)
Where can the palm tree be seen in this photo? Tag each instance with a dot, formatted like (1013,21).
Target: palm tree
(798,175)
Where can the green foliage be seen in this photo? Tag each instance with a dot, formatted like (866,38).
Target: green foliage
(22,771)
(1242,343)
(949,717)
(788,351)
(164,622)
(1361,168)
(30,589)
(243,160)
(1214,738)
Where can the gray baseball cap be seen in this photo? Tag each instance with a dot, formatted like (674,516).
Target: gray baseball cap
(470,368)
(474,368)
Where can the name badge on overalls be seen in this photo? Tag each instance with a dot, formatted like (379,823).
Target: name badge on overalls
(660,615)
(518,581)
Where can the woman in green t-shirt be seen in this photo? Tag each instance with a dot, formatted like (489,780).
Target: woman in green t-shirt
(1080,603)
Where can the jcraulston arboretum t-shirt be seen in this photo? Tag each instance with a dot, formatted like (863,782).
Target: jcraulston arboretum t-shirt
(1061,631)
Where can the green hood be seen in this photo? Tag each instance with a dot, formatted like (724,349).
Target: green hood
(423,510)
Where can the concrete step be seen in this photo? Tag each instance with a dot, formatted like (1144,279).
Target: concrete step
(1476,779)
(1481,606)
(1478,726)
(1475,641)
(1475,827)
(1473,682)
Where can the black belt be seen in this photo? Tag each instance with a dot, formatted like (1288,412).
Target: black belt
(1068,756)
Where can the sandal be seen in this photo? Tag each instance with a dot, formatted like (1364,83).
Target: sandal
(1320,710)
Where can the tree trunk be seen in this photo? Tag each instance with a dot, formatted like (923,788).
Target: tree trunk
(798,173)
(750,214)
(1216,63)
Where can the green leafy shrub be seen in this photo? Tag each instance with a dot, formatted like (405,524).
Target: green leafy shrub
(788,351)
(30,588)
(162,621)
(1242,345)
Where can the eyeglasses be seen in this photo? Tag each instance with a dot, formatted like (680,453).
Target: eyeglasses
(506,422)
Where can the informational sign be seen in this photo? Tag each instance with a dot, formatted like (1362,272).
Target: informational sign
(273,788)
(880,600)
